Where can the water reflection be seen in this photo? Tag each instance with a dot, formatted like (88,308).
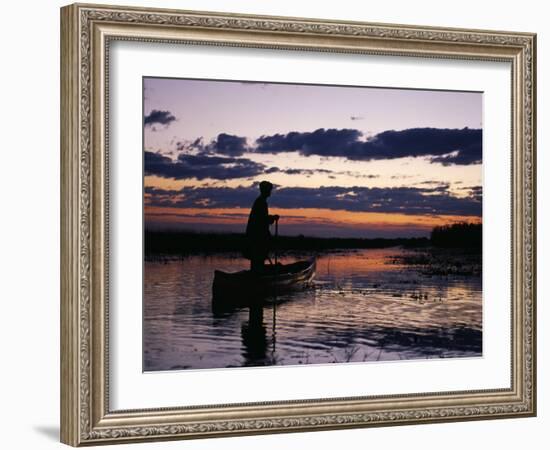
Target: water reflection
(254,337)
(364,307)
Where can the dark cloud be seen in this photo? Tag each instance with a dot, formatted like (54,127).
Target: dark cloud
(207,160)
(435,142)
(159,117)
(230,145)
(474,191)
(204,165)
(441,145)
(224,144)
(469,155)
(359,174)
(309,172)
(200,167)
(406,200)
(323,142)
(428,181)
(402,177)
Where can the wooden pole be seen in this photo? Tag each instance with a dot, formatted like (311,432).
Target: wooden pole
(276,238)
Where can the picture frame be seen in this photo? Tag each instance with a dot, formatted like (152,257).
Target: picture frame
(87,33)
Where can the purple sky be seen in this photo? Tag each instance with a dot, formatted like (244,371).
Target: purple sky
(363,147)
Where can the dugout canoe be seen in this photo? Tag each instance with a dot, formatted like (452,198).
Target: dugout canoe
(244,286)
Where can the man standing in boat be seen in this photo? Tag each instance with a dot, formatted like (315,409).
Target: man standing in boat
(257,229)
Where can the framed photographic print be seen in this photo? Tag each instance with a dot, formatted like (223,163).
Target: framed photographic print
(276,224)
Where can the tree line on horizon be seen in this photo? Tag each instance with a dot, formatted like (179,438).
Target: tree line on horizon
(463,235)
(458,235)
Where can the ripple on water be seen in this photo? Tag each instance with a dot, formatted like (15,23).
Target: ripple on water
(362,308)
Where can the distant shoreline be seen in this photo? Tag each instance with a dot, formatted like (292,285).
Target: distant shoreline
(460,236)
(182,243)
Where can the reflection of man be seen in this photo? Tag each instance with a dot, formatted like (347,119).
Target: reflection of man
(257,229)
(254,337)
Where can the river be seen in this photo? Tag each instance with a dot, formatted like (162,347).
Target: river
(365,305)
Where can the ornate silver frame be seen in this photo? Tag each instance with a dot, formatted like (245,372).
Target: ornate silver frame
(86,31)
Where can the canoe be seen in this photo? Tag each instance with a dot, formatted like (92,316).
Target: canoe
(244,286)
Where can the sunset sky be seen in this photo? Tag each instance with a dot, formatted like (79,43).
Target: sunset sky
(345,161)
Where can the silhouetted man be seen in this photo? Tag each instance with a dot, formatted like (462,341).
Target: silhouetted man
(257,229)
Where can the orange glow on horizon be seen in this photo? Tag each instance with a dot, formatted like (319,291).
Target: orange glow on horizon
(305,217)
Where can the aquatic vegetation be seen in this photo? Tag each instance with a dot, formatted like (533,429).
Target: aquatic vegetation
(442,262)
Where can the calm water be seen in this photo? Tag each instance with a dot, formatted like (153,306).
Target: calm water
(364,307)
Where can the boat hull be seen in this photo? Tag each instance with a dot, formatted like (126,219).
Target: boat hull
(246,287)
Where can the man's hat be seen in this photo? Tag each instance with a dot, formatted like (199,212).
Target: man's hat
(266,186)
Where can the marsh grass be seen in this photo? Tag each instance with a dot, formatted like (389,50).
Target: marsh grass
(437,261)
